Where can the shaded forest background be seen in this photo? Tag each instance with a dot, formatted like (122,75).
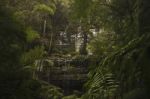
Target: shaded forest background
(111,35)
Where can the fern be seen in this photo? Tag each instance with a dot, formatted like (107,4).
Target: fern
(103,81)
(32,55)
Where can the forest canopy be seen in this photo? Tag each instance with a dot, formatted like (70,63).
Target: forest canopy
(74,49)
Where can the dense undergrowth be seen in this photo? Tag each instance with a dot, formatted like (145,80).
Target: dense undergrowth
(109,38)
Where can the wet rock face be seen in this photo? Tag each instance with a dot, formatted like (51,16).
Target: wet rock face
(68,73)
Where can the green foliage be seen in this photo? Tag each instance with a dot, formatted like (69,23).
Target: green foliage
(44,8)
(122,72)
(29,60)
(36,89)
(32,55)
(103,84)
(29,89)
(136,94)
(12,40)
(16,81)
(82,8)
(71,97)
(32,13)
(31,34)
(125,59)
(99,44)
(51,92)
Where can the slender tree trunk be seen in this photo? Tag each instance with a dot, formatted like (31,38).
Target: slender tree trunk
(44,28)
(50,43)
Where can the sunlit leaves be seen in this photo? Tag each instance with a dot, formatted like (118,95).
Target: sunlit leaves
(31,34)
(44,8)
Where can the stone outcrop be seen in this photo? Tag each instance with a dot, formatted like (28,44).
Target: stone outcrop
(68,73)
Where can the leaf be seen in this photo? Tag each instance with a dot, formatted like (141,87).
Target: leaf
(31,34)
(44,8)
